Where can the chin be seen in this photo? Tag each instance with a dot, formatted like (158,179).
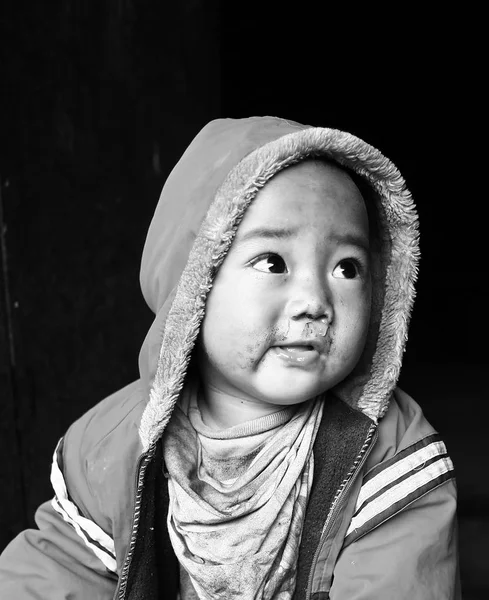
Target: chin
(288,396)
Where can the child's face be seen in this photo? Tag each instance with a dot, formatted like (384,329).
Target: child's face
(288,312)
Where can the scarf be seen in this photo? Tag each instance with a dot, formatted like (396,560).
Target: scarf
(238,498)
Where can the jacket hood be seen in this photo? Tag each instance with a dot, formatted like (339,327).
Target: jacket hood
(199,211)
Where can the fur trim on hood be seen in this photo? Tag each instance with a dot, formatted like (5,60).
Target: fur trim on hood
(199,211)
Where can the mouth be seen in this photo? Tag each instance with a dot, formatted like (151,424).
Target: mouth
(304,345)
(298,347)
(300,354)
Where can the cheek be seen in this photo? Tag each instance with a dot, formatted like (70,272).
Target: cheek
(232,347)
(360,310)
(226,331)
(355,318)
(236,331)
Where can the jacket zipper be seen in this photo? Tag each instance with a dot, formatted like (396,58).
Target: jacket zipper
(342,493)
(141,470)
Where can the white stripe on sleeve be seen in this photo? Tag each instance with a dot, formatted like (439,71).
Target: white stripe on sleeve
(85,528)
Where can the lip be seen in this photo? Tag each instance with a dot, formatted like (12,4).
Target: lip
(303,343)
(297,354)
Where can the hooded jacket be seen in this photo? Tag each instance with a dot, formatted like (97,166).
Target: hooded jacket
(380,521)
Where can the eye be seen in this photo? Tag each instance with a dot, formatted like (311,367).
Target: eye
(270,263)
(347,269)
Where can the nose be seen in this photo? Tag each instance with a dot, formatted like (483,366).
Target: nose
(310,300)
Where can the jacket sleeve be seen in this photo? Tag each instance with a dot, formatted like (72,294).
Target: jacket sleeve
(66,558)
(53,563)
(412,555)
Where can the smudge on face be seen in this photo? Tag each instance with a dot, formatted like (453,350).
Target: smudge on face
(314,329)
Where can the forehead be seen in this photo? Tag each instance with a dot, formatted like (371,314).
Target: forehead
(312,195)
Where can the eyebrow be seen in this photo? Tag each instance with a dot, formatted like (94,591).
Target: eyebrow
(350,239)
(353,239)
(267,232)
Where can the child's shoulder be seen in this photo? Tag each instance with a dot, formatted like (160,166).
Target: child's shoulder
(115,417)
(408,460)
(99,452)
(404,426)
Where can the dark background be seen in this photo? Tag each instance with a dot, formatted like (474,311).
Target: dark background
(98,100)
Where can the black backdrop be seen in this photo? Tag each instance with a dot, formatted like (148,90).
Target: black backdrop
(99,99)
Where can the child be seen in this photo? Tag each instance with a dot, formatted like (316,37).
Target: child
(266,451)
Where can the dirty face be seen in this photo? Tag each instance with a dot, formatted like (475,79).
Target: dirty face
(288,312)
